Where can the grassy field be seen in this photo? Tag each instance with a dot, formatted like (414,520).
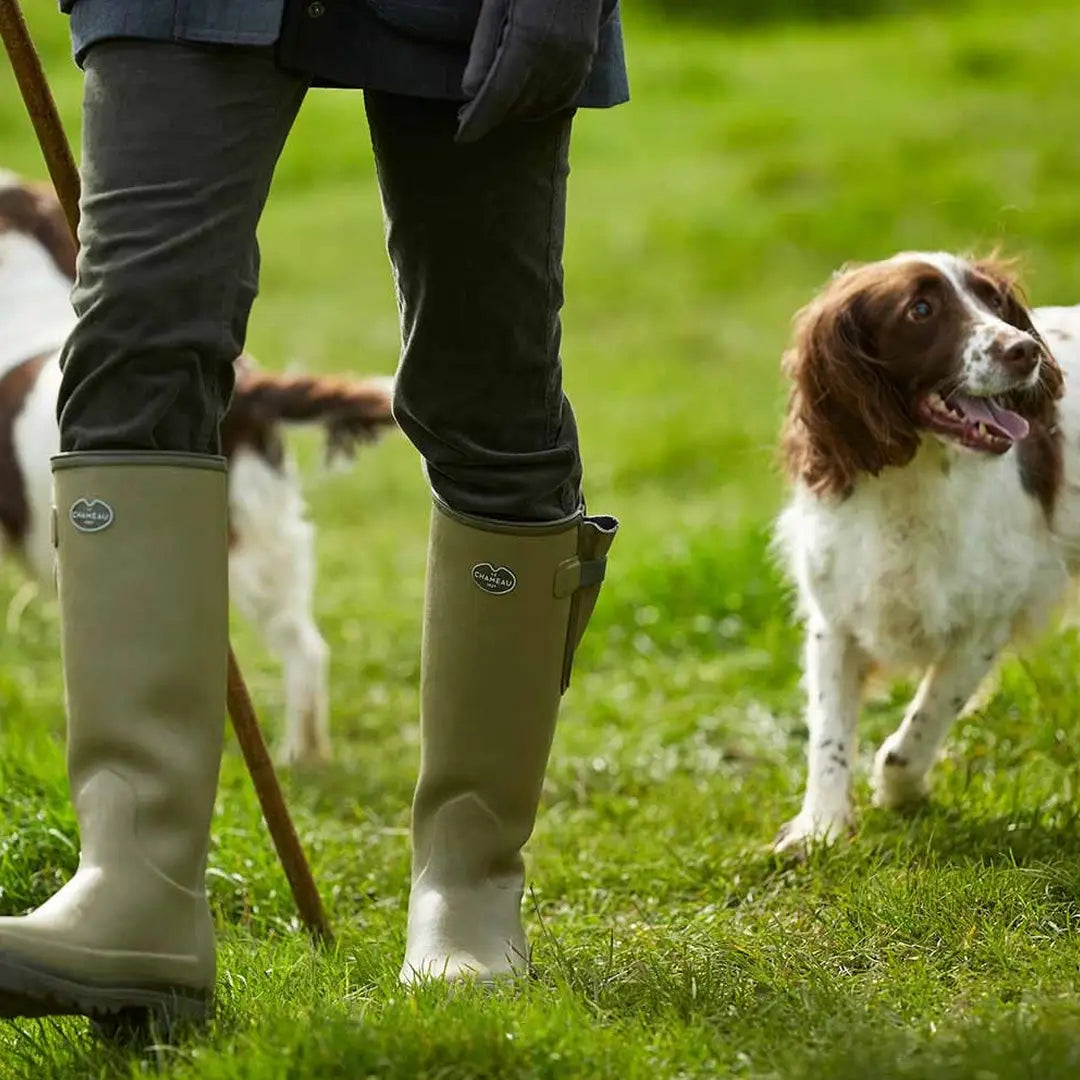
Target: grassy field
(668,943)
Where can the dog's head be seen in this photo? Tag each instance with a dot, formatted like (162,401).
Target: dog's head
(914,346)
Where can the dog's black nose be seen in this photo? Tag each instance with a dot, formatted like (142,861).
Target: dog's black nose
(1021,356)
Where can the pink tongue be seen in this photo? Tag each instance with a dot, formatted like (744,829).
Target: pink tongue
(998,420)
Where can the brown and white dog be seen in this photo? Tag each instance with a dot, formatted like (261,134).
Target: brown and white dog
(271,558)
(935,459)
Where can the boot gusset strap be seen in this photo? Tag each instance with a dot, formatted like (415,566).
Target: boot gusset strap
(581,578)
(578,573)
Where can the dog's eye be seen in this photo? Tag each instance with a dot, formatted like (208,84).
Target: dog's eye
(995,302)
(920,310)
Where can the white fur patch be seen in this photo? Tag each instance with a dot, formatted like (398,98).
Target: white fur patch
(35,301)
(36,438)
(272,581)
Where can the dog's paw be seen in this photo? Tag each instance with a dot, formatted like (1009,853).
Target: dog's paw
(810,830)
(895,782)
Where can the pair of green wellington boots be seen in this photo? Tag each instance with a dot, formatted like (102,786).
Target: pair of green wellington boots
(142,549)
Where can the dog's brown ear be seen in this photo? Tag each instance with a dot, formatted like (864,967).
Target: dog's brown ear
(35,210)
(844,418)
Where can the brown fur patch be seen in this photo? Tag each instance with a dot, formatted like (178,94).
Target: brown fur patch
(15,386)
(851,409)
(34,209)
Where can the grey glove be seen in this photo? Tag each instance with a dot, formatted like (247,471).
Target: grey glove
(528,59)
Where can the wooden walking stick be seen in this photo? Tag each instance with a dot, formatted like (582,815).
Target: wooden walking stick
(34,87)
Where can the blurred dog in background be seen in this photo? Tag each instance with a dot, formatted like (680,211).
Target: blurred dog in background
(271,554)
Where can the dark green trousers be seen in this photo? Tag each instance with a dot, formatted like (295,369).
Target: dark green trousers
(179,148)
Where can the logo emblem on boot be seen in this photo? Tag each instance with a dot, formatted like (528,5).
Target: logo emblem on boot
(90,515)
(495,580)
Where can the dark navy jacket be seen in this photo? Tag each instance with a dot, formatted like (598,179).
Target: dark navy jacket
(415,47)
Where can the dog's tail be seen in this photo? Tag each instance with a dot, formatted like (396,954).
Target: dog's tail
(351,410)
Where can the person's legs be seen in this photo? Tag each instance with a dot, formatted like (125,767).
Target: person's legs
(179,148)
(475,235)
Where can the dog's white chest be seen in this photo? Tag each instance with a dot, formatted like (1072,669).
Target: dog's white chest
(912,560)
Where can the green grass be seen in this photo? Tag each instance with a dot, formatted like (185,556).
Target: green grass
(936,946)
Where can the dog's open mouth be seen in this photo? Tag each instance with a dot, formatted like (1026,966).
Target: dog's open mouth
(976,422)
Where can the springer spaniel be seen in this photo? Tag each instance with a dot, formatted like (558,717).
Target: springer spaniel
(271,556)
(935,516)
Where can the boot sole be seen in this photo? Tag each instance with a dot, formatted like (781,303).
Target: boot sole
(36,991)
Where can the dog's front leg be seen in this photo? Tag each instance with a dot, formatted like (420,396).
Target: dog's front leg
(835,669)
(907,755)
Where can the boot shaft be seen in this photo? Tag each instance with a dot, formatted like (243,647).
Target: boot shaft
(493,645)
(142,565)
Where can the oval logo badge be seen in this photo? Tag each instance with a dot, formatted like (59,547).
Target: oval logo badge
(495,580)
(91,515)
